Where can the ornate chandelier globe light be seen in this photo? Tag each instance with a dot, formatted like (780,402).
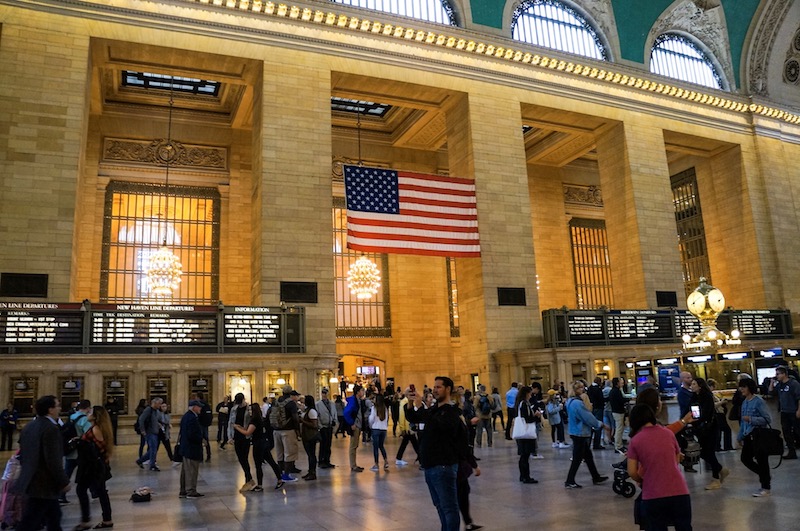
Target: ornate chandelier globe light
(364,278)
(164,269)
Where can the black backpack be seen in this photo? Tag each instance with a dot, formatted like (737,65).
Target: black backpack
(69,434)
(206,416)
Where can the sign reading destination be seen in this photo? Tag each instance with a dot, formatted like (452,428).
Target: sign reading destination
(563,328)
(252,325)
(28,323)
(153,324)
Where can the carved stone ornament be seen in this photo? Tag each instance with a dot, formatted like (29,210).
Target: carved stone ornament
(579,194)
(160,152)
(337,170)
(702,20)
(763,40)
(791,67)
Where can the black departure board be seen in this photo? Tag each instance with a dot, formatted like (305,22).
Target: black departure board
(249,325)
(563,328)
(146,324)
(29,323)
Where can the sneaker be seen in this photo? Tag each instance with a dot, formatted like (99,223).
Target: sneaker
(181,495)
(620,451)
(194,495)
(537,456)
(63,501)
(763,493)
(600,479)
(555,445)
(287,478)
(714,485)
(155,469)
(140,465)
(473,527)
(374,468)
(248,486)
(572,486)
(258,488)
(279,484)
(357,469)
(400,462)
(564,445)
(723,474)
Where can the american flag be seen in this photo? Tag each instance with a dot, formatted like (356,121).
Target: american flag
(391,211)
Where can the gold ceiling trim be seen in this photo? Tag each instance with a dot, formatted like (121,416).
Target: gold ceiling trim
(442,40)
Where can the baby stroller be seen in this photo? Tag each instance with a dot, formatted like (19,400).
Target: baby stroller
(621,485)
(11,504)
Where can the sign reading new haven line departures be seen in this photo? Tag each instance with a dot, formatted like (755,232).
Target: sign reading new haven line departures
(24,326)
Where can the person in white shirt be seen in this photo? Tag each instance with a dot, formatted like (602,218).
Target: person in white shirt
(379,422)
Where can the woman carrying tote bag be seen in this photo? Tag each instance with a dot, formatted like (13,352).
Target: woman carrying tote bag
(524,432)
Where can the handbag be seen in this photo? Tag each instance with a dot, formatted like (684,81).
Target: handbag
(767,441)
(309,433)
(177,455)
(523,429)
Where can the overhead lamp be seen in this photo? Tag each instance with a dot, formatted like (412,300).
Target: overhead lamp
(281,380)
(364,278)
(606,368)
(164,269)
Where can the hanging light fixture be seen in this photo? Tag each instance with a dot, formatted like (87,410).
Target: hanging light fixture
(164,269)
(281,380)
(364,277)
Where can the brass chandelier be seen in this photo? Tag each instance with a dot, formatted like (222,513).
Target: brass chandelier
(164,269)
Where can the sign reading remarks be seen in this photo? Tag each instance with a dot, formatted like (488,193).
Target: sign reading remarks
(30,323)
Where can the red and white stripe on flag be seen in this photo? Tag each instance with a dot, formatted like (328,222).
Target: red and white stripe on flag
(403,212)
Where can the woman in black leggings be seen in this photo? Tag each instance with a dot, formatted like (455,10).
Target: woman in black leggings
(261,452)
(706,429)
(240,417)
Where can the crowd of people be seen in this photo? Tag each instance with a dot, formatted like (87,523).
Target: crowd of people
(443,425)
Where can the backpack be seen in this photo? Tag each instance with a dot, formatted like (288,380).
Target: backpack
(206,416)
(486,407)
(69,434)
(136,427)
(277,415)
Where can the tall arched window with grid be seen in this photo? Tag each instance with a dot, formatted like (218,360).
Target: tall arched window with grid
(438,11)
(680,57)
(554,24)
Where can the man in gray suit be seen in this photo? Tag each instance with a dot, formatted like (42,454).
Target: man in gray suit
(42,478)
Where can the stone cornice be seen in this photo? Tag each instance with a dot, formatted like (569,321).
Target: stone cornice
(423,47)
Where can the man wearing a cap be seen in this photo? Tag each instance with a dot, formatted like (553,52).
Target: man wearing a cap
(327,421)
(191,440)
(286,436)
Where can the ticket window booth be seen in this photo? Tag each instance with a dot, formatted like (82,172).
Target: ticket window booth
(579,371)
(116,387)
(241,383)
(160,387)
(70,391)
(24,392)
(698,365)
(201,383)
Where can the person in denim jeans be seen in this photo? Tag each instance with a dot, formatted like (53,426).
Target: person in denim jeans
(444,445)
(148,421)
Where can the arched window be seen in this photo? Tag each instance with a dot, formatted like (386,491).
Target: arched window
(438,11)
(679,57)
(553,24)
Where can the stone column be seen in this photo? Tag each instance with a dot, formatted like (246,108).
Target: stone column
(43,114)
(475,123)
(640,217)
(295,192)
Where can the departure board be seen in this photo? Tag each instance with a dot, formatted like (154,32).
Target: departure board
(142,324)
(28,323)
(564,328)
(249,325)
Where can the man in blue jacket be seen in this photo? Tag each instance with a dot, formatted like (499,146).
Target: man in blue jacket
(191,441)
(787,389)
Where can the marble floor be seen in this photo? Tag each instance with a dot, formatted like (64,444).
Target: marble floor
(399,499)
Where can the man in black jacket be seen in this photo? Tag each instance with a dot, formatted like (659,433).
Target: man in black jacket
(42,477)
(444,445)
(595,394)
(191,440)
